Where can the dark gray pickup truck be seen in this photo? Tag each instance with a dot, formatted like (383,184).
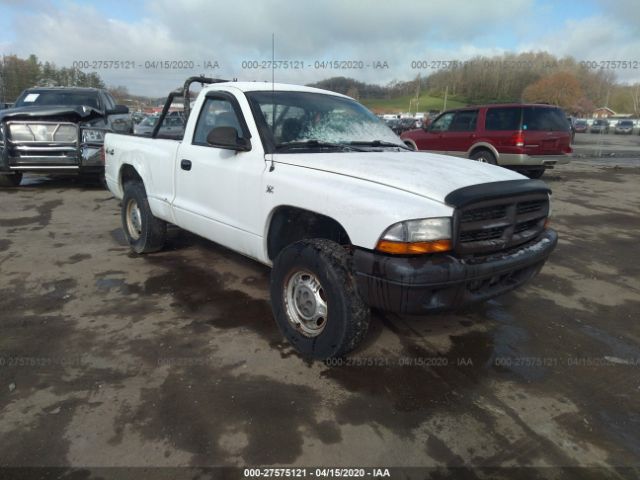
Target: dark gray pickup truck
(58,130)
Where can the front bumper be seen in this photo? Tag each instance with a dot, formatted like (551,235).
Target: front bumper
(415,285)
(86,159)
(517,159)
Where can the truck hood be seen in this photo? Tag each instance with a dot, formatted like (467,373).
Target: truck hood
(69,112)
(426,174)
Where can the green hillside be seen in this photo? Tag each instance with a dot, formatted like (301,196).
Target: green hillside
(401,104)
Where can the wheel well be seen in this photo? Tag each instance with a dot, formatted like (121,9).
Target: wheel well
(290,224)
(481,148)
(410,143)
(129,174)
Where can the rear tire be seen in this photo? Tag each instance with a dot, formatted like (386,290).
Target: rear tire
(315,299)
(484,156)
(144,232)
(12,180)
(537,173)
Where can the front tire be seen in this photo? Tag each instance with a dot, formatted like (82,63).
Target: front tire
(315,300)
(12,180)
(145,233)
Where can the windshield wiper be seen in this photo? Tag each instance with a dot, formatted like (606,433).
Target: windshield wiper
(316,144)
(380,143)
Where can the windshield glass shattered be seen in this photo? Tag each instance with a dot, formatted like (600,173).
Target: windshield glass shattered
(315,121)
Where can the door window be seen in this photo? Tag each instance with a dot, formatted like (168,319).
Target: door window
(109,102)
(464,121)
(215,112)
(441,124)
(503,118)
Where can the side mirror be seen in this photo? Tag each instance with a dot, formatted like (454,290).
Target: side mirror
(227,138)
(119,110)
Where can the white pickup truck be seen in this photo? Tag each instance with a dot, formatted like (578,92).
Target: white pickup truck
(314,185)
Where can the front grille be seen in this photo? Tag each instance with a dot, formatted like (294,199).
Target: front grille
(43,132)
(483,214)
(34,142)
(477,235)
(494,225)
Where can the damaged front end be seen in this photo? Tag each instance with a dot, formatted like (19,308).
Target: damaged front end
(51,140)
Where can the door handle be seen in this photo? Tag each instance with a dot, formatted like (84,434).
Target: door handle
(185,165)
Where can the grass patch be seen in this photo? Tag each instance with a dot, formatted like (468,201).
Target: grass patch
(401,104)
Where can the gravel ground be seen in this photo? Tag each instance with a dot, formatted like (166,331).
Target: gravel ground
(173,359)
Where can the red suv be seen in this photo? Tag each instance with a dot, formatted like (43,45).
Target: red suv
(525,137)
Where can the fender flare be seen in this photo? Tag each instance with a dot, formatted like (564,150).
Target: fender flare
(485,145)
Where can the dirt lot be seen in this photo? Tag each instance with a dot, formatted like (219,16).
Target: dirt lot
(171,359)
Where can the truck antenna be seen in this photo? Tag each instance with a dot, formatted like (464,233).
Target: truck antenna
(273,94)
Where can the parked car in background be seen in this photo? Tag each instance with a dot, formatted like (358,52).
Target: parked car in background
(600,125)
(624,127)
(580,126)
(58,130)
(408,123)
(393,124)
(525,137)
(172,127)
(137,117)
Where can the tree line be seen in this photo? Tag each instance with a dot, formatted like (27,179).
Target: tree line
(575,86)
(16,74)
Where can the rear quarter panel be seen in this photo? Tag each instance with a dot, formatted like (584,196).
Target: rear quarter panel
(153,159)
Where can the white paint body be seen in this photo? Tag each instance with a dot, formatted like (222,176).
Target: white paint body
(228,197)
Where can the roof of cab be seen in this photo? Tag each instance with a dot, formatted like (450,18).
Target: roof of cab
(268,86)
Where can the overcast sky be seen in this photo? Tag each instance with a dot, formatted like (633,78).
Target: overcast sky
(396,32)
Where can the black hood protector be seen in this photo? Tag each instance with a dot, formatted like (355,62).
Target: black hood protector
(72,112)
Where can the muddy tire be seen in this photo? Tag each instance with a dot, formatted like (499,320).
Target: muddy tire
(484,156)
(315,299)
(10,180)
(144,232)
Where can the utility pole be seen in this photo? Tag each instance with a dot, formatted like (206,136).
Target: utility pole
(446,92)
(417,94)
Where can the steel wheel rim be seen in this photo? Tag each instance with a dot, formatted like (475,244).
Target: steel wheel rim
(305,303)
(134,219)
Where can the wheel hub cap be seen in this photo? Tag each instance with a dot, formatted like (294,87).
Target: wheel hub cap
(305,303)
(134,219)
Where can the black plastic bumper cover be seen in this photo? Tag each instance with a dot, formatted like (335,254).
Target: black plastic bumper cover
(417,285)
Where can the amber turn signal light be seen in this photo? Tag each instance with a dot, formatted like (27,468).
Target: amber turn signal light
(415,248)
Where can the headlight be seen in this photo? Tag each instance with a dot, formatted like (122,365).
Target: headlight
(92,136)
(427,235)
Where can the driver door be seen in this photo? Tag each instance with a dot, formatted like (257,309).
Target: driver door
(218,191)
(433,138)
